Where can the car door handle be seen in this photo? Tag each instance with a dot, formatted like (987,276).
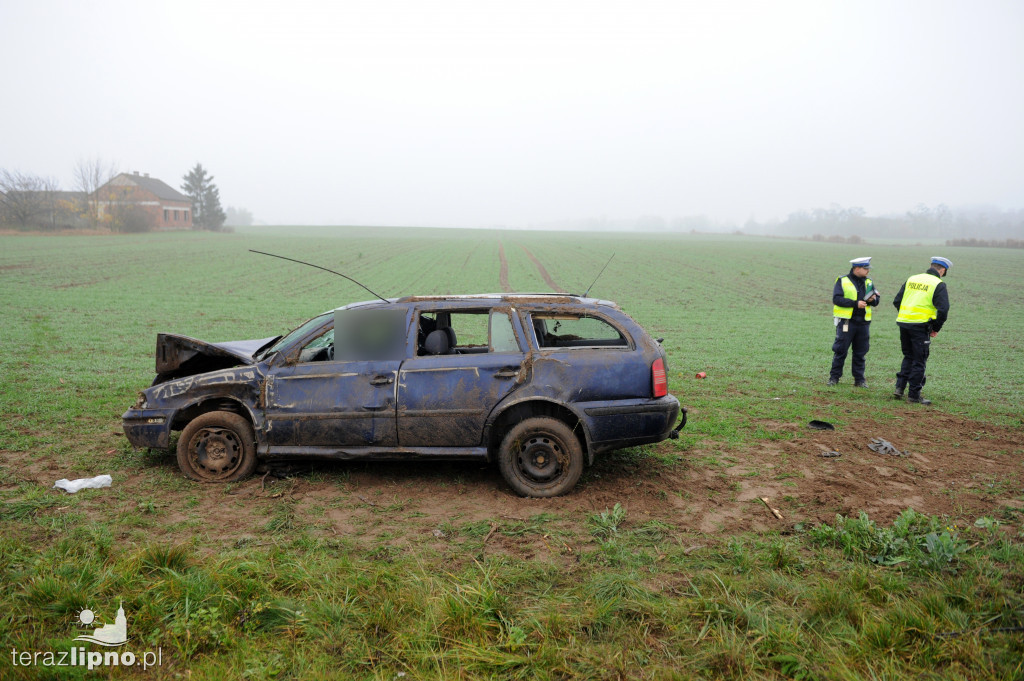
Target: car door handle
(382,380)
(508,372)
(375,407)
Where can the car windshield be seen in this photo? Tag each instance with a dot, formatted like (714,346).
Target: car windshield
(296,334)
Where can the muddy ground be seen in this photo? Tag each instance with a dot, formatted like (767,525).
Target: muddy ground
(953,468)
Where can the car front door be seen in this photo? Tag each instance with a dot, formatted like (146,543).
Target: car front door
(331,394)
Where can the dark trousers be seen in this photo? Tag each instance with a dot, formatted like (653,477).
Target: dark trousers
(916,341)
(850,333)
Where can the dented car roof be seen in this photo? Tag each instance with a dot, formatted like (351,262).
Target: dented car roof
(519,298)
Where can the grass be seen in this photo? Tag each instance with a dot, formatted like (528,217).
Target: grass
(813,606)
(604,593)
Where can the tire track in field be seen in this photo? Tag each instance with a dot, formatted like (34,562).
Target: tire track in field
(503,277)
(470,254)
(543,272)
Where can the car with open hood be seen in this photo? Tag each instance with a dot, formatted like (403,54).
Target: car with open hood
(539,383)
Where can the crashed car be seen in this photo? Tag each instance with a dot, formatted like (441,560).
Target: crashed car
(541,383)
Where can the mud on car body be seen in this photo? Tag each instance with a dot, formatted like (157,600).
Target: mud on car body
(540,383)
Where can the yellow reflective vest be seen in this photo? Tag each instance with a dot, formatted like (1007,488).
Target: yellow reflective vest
(917,306)
(850,291)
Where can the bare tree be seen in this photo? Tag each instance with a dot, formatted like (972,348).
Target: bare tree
(90,174)
(27,200)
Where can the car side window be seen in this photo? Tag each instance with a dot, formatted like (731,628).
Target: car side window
(320,349)
(444,332)
(575,331)
(502,335)
(370,334)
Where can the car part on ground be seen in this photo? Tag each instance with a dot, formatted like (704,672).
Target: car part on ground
(881,446)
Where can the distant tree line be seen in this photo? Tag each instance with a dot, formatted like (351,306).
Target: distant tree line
(923,222)
(987,243)
(836,224)
(31,202)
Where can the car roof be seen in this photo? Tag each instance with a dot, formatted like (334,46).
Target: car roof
(531,299)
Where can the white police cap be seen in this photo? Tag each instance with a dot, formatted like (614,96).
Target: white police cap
(861,262)
(945,262)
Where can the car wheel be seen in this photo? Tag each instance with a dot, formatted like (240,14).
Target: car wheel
(541,457)
(217,447)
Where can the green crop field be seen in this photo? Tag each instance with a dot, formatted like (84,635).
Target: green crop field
(384,572)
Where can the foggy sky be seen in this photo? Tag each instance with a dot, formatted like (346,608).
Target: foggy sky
(484,113)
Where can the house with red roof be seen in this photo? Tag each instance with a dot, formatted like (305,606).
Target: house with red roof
(164,206)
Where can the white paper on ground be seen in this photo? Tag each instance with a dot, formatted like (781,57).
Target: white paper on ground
(73,486)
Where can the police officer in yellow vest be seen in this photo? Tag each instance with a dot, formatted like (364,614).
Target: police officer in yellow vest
(853,296)
(923,304)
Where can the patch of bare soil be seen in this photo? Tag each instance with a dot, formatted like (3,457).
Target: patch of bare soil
(953,468)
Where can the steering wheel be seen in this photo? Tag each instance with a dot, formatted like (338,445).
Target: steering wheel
(330,352)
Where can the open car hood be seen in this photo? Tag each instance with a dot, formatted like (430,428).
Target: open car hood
(178,356)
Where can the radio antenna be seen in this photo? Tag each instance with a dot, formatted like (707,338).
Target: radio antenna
(324,269)
(598,276)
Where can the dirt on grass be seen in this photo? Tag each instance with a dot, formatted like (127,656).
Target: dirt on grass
(948,467)
(503,272)
(543,271)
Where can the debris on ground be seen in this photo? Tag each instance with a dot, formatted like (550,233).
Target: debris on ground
(881,446)
(826,453)
(283,471)
(72,486)
(775,511)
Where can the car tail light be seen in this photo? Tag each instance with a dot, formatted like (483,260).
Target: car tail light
(659,378)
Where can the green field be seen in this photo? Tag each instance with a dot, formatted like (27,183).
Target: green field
(297,586)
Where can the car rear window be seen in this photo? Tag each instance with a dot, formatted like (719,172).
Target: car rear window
(575,331)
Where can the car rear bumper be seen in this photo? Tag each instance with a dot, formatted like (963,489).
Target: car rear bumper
(148,428)
(627,423)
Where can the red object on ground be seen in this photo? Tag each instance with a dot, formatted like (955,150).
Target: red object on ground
(701,374)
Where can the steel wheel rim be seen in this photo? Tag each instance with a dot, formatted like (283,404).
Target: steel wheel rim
(541,459)
(215,453)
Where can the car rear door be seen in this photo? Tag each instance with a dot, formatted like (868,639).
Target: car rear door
(444,399)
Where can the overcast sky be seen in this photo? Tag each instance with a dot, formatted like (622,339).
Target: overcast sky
(482,113)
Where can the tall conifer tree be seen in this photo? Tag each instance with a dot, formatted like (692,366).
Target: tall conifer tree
(206,209)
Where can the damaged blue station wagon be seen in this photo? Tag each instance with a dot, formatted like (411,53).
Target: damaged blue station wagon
(539,382)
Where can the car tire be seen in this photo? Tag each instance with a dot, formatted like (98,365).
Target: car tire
(540,457)
(218,446)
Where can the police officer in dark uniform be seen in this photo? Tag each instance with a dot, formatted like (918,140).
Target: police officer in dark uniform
(853,296)
(923,305)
